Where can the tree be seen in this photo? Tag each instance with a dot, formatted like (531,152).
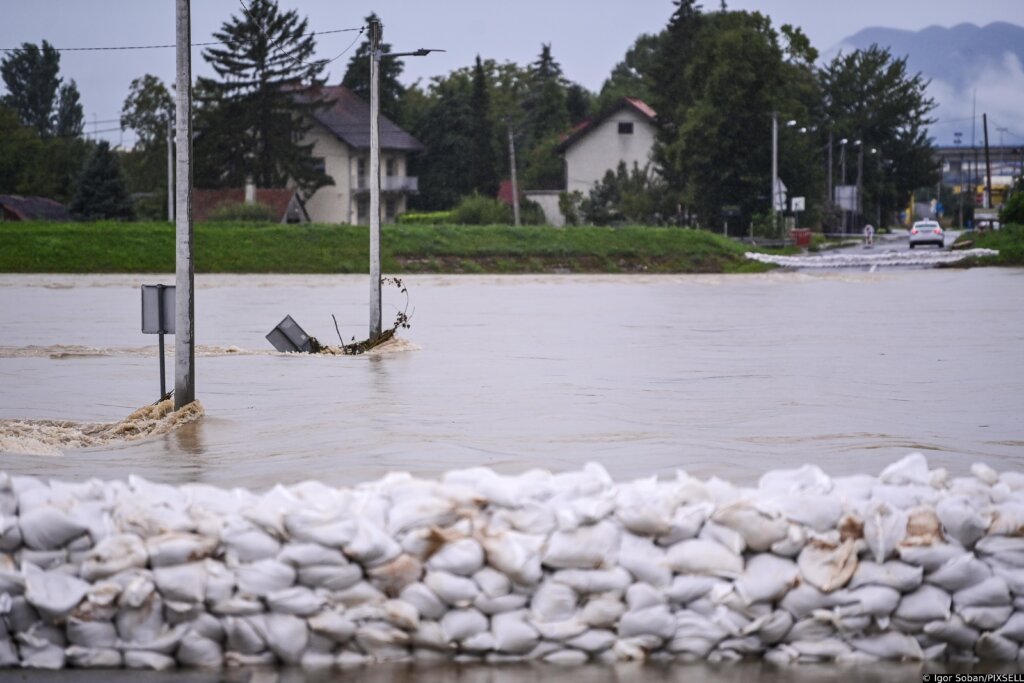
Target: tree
(483,158)
(446,130)
(35,92)
(357,77)
(148,110)
(101,191)
(632,76)
(249,123)
(626,196)
(546,119)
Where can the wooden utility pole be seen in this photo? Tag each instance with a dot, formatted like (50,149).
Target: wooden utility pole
(512,164)
(184,332)
(375,315)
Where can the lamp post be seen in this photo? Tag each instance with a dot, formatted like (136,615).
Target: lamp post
(842,175)
(860,179)
(957,139)
(376,31)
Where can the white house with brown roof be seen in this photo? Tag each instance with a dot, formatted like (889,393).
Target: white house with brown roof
(340,135)
(624,132)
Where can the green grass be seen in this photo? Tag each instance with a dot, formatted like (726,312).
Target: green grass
(1009,241)
(110,247)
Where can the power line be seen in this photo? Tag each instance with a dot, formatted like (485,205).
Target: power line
(159,47)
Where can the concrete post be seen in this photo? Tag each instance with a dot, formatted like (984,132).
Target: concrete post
(515,183)
(375,314)
(184,332)
(775,170)
(170,171)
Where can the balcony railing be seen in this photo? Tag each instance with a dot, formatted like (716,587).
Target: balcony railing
(391,183)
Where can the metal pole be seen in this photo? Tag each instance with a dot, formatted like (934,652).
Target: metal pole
(184,332)
(988,166)
(512,164)
(842,155)
(170,171)
(831,193)
(775,170)
(160,325)
(860,184)
(375,314)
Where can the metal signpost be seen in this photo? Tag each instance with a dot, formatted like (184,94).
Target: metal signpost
(158,318)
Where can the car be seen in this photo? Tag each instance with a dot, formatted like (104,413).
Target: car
(927,232)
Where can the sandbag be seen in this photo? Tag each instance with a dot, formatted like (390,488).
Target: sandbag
(687,588)
(766,578)
(305,554)
(460,624)
(885,526)
(959,573)
(641,595)
(892,574)
(48,528)
(515,554)
(264,576)
(93,658)
(644,560)
(246,541)
(462,557)
(991,592)
(197,651)
(654,621)
(759,528)
(426,511)
(953,631)
(426,601)
(185,582)
(961,521)
(704,557)
(332,577)
(927,603)
(512,634)
(553,601)
(54,594)
(178,548)
(828,567)
(297,600)
(492,583)
(588,547)
(242,636)
(112,555)
(285,634)
(602,612)
(457,591)
(586,581)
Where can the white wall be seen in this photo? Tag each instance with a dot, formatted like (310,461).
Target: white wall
(601,150)
(548,200)
(330,204)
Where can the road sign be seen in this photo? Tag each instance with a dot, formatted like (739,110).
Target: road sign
(797,204)
(158,318)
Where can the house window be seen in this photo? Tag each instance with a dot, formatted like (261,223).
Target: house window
(361,182)
(390,209)
(625,127)
(319,164)
(389,168)
(363,210)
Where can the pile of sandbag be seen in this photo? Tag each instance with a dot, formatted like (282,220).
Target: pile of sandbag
(568,568)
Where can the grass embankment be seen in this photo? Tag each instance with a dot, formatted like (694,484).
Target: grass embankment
(1009,241)
(111,247)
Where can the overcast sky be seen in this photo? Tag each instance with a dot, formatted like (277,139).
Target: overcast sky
(588,37)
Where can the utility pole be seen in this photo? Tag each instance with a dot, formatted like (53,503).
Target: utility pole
(512,164)
(831,195)
(170,170)
(184,332)
(375,315)
(860,183)
(842,160)
(775,171)
(988,166)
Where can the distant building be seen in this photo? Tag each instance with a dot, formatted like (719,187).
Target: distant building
(17,208)
(284,204)
(341,147)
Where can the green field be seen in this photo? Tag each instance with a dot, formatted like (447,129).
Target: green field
(111,247)
(1009,241)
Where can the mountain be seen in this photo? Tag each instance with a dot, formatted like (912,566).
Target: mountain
(960,61)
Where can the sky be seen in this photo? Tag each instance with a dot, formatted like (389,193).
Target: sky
(588,37)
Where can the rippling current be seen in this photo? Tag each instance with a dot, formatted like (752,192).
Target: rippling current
(719,375)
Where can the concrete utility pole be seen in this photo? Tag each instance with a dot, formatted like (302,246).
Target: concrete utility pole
(375,315)
(775,170)
(170,171)
(831,192)
(860,184)
(988,166)
(512,164)
(184,331)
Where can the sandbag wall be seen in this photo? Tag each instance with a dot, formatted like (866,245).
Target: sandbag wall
(570,567)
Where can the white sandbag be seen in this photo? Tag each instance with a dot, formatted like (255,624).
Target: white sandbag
(807,479)
(805,599)
(892,574)
(401,614)
(178,548)
(654,621)
(220,581)
(561,630)
(179,612)
(759,528)
(317,661)
(515,554)
(493,583)
(297,600)
(80,657)
(992,646)
(585,581)
(430,635)
(311,526)
(237,660)
(285,634)
(1008,550)
(641,595)
(820,512)
(645,507)
(197,651)
(114,554)
(1014,627)
(333,624)
(237,606)
(959,572)
(426,601)
(566,657)
(391,577)
(986,618)
(460,624)
(553,601)
(1007,519)
(686,522)
(48,528)
(911,469)
(91,634)
(530,518)
(588,547)
(264,576)
(927,603)
(144,659)
(985,474)
(923,526)
(371,545)
(644,560)
(11,580)
(873,601)
(359,594)
(766,578)
(828,567)
(961,521)
(825,650)
(184,582)
(704,557)
(165,642)
(885,526)
(246,541)
(687,588)
(54,594)
(241,635)
(991,592)
(458,591)
(730,539)
(602,612)
(512,634)
(593,640)
(953,631)
(770,628)
(332,577)
(499,604)
(478,644)
(691,627)
(305,554)
(930,557)
(425,511)
(137,586)
(462,557)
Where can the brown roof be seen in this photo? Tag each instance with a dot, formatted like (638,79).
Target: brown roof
(17,208)
(585,127)
(348,118)
(204,202)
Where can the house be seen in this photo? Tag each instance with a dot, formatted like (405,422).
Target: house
(340,135)
(17,208)
(284,203)
(625,132)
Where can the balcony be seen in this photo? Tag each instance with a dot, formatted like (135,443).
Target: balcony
(391,183)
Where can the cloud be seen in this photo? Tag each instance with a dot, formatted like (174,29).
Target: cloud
(999,85)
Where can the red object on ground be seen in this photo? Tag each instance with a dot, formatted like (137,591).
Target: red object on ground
(802,236)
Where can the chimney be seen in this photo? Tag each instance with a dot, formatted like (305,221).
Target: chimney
(250,190)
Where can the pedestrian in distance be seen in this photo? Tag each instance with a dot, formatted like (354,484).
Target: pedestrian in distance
(869,236)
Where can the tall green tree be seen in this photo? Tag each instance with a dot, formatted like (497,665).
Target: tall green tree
(632,76)
(357,77)
(446,130)
(484,171)
(546,118)
(35,91)
(101,193)
(251,120)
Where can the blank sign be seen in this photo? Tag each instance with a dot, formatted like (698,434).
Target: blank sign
(155,320)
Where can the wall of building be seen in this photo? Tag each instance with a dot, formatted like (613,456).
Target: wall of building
(333,203)
(604,147)
(548,201)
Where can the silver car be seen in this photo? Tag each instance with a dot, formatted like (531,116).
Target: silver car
(927,232)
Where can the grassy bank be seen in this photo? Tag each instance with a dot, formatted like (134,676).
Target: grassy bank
(266,248)
(1009,241)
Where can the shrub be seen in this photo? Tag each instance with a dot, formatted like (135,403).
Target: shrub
(425,217)
(478,210)
(1013,209)
(236,212)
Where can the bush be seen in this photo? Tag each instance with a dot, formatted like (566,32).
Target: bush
(425,218)
(236,212)
(530,213)
(478,210)
(1013,209)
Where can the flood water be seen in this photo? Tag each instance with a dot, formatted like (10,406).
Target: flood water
(717,375)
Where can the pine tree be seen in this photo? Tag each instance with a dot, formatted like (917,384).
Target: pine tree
(357,77)
(250,121)
(546,118)
(101,191)
(484,160)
